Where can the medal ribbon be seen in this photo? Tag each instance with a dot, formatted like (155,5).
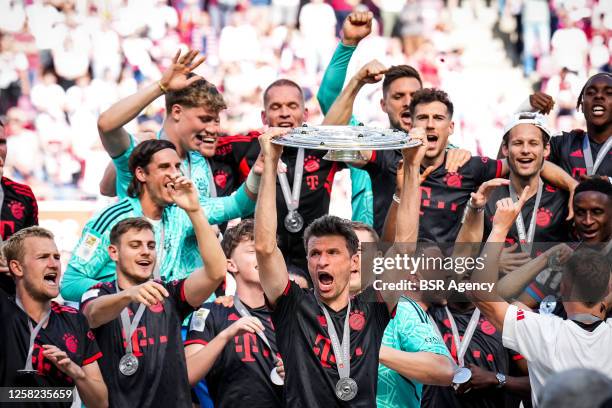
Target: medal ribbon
(130,327)
(212,189)
(588,155)
(462,346)
(526,240)
(342,351)
(292,196)
(243,311)
(33,333)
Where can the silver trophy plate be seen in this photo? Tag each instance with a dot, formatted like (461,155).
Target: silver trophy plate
(346,389)
(344,143)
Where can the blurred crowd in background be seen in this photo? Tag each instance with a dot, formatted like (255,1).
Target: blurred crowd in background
(63,62)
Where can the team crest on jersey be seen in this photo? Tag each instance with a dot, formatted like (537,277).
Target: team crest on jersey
(88,246)
(17,209)
(71,342)
(544,217)
(357,320)
(312,164)
(221,179)
(453,180)
(487,328)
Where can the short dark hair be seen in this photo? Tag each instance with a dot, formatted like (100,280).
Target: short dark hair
(429,95)
(141,157)
(594,184)
(588,273)
(282,82)
(581,95)
(362,226)
(123,226)
(332,225)
(232,237)
(399,71)
(199,93)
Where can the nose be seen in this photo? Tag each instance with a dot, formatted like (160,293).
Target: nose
(323,260)
(430,123)
(285,112)
(588,219)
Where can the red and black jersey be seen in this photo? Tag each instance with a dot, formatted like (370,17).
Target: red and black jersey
(444,196)
(66,329)
(19,209)
(310,364)
(551,224)
(161,378)
(240,152)
(382,169)
(241,374)
(566,152)
(485,350)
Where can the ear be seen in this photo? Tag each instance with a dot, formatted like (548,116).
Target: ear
(231,266)
(113,252)
(264,118)
(355,261)
(176,111)
(546,150)
(505,149)
(451,127)
(305,117)
(140,174)
(383,105)
(15,268)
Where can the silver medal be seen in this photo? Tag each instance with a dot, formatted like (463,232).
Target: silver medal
(128,364)
(462,375)
(276,379)
(294,222)
(548,305)
(346,389)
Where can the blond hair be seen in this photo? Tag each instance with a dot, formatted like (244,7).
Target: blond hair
(13,248)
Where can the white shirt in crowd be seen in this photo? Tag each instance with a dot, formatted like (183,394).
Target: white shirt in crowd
(551,344)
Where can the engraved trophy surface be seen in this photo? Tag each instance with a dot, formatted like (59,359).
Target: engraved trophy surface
(345,143)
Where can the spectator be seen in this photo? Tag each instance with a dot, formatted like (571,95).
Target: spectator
(576,387)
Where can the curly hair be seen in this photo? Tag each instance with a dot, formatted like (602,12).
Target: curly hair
(429,95)
(199,93)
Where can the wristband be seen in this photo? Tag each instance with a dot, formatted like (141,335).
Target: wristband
(163,88)
(252,182)
(477,209)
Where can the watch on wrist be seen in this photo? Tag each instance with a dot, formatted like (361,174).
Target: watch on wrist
(501,379)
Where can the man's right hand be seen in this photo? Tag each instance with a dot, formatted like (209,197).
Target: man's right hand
(371,72)
(149,293)
(269,149)
(175,77)
(481,196)
(244,324)
(542,102)
(356,27)
(509,260)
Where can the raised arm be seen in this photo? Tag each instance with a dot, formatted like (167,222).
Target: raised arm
(114,138)
(202,282)
(341,111)
(407,225)
(490,304)
(272,268)
(357,26)
(513,284)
